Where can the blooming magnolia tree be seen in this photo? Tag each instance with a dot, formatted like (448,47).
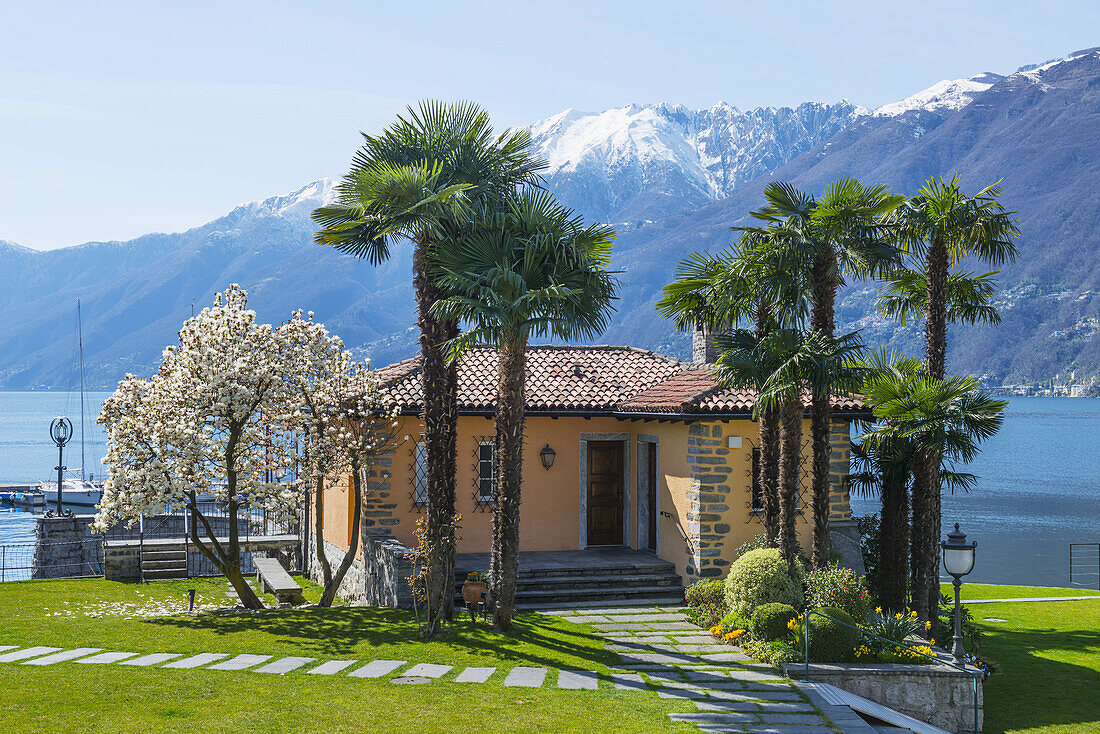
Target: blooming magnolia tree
(345,424)
(215,419)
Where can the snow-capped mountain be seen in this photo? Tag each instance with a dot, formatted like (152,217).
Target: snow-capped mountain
(943,97)
(641,162)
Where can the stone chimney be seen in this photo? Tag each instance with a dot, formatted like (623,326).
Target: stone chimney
(703,349)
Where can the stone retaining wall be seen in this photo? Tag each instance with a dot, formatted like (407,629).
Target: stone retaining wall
(386,572)
(936,693)
(64,548)
(351,587)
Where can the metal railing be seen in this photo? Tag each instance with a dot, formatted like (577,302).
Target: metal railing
(79,559)
(977,676)
(1084,564)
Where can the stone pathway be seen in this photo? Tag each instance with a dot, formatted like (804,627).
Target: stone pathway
(660,650)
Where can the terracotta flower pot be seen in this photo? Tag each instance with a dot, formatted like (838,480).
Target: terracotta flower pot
(472,591)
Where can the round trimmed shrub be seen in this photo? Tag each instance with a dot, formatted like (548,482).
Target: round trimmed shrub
(762,577)
(769,621)
(831,642)
(734,621)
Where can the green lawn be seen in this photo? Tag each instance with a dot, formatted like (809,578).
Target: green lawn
(992,591)
(69,697)
(1048,661)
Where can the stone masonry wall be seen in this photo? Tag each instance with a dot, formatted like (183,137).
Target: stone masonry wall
(936,694)
(378,504)
(840,457)
(709,518)
(64,548)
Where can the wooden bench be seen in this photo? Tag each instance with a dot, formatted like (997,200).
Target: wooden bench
(273,578)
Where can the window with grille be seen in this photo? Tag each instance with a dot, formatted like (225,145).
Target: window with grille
(486,458)
(420,474)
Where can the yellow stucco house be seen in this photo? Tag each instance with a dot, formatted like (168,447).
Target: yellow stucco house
(624,448)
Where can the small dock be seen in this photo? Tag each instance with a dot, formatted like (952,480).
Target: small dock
(22,494)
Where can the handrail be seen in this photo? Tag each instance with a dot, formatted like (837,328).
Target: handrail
(806,653)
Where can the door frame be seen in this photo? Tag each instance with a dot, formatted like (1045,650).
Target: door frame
(643,494)
(624,438)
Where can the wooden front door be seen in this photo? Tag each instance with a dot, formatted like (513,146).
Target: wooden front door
(605,492)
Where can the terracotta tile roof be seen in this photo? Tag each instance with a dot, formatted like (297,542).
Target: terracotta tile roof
(598,379)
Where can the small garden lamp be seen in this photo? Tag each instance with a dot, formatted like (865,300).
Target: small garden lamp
(958,560)
(547,455)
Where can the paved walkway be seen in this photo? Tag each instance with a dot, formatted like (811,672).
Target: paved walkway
(658,651)
(658,648)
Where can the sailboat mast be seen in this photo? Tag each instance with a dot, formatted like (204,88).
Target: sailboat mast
(80,344)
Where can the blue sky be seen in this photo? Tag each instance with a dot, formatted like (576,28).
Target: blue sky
(118,119)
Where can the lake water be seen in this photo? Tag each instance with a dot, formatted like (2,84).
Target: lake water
(1038,491)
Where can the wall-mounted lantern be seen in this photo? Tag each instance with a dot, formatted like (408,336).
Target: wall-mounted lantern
(547,455)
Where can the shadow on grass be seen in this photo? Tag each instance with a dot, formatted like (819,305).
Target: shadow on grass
(534,638)
(1030,690)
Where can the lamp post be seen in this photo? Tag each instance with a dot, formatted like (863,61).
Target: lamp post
(958,560)
(61,430)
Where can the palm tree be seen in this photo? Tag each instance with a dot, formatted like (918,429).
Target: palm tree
(943,420)
(784,365)
(839,235)
(938,228)
(423,178)
(532,268)
(714,293)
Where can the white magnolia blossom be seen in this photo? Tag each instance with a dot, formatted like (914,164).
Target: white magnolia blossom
(223,413)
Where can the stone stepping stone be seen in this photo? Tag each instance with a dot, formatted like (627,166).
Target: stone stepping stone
(377,668)
(672,626)
(805,719)
(474,675)
(587,619)
(629,682)
(153,659)
(754,675)
(621,627)
(682,694)
(203,658)
(694,639)
(777,707)
(653,657)
(240,662)
(742,706)
(625,618)
(331,667)
(727,657)
(106,657)
(706,676)
(525,677)
(285,665)
(7,647)
(427,670)
(578,679)
(762,696)
(29,652)
(716,718)
(711,647)
(60,657)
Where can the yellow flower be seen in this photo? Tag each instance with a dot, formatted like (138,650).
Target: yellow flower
(931,642)
(897,616)
(878,610)
(792,625)
(928,625)
(913,615)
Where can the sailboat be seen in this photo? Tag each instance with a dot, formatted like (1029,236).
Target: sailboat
(81,492)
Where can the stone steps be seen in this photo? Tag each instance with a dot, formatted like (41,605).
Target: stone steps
(164,562)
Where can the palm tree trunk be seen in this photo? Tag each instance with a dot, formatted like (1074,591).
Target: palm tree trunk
(937,267)
(789,470)
(440,430)
(893,566)
(509,447)
(768,481)
(923,540)
(823,321)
